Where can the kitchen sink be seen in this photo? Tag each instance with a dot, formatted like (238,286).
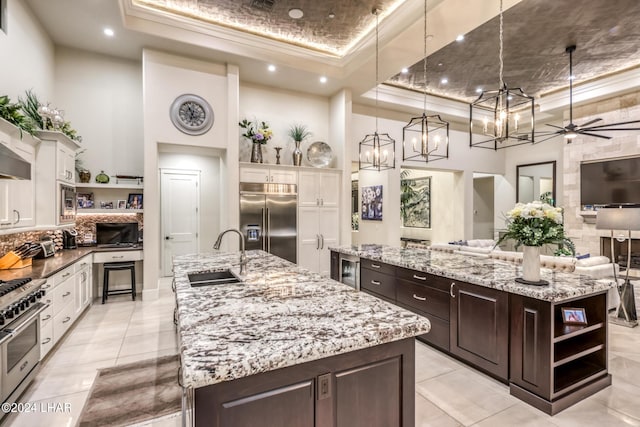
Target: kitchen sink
(213,278)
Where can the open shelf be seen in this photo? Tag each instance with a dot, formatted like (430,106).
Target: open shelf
(112,186)
(91,211)
(565,332)
(576,373)
(570,356)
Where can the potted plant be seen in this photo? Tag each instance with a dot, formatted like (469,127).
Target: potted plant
(298,133)
(12,113)
(259,134)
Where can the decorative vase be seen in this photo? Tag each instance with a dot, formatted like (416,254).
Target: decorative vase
(297,154)
(531,263)
(102,178)
(84,175)
(256,153)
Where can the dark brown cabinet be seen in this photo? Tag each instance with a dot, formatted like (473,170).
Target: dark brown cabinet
(373,387)
(378,279)
(335,265)
(554,365)
(480,327)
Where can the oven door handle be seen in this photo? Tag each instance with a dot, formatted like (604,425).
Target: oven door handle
(28,320)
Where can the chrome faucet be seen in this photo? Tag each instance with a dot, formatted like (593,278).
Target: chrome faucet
(243,255)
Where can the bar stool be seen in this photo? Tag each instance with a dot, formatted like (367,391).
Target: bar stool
(113,266)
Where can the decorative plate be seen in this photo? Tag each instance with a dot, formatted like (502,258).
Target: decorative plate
(319,154)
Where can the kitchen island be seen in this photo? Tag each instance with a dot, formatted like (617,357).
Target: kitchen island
(480,315)
(291,347)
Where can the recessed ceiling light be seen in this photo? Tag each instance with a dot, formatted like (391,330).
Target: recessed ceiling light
(572,77)
(296,13)
(405,70)
(429,37)
(444,80)
(460,37)
(439,64)
(332,15)
(108,32)
(271,68)
(323,79)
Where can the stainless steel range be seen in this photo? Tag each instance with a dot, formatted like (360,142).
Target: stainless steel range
(20,306)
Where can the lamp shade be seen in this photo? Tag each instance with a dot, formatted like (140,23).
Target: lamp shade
(618,219)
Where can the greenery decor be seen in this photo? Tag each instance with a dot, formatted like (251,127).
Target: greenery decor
(12,112)
(535,224)
(30,105)
(299,132)
(257,132)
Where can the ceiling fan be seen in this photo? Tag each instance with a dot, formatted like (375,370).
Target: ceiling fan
(572,130)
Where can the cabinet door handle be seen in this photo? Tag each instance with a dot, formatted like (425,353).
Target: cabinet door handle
(18,214)
(66,319)
(46,341)
(266,178)
(5,223)
(317,242)
(66,294)
(46,286)
(117,257)
(415,276)
(375,282)
(419,298)
(451,290)
(47,317)
(66,275)
(375,266)
(321,202)
(321,241)
(317,202)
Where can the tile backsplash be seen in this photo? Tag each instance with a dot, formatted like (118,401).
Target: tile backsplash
(86,224)
(9,242)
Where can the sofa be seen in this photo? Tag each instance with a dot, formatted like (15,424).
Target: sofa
(596,267)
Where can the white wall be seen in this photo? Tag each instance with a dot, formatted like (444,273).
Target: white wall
(26,55)
(102,98)
(281,109)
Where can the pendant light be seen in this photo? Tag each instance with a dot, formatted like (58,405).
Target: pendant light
(501,118)
(377,150)
(425,138)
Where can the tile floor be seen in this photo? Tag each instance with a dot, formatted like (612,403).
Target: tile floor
(447,392)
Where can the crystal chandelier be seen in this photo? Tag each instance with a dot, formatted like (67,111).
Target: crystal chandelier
(425,138)
(377,150)
(501,118)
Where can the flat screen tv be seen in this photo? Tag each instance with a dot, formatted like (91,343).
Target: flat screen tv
(114,233)
(611,182)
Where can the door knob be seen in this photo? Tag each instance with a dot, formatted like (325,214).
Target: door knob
(168,238)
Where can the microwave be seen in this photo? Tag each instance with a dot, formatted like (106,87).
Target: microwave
(67,204)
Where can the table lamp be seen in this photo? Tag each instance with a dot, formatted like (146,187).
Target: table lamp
(622,219)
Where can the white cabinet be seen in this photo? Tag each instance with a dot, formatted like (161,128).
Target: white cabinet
(268,175)
(318,218)
(17,199)
(319,189)
(83,286)
(46,330)
(65,163)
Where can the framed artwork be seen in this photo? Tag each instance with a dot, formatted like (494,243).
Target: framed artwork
(415,202)
(106,205)
(122,204)
(372,203)
(134,201)
(573,316)
(84,200)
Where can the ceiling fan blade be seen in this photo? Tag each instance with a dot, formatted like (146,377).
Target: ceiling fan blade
(599,129)
(615,124)
(584,125)
(554,126)
(594,134)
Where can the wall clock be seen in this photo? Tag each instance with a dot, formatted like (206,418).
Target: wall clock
(191,114)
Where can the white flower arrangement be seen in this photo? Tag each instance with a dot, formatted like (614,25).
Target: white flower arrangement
(535,224)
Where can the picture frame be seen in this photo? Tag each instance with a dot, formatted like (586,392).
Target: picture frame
(122,204)
(574,316)
(134,201)
(84,200)
(415,202)
(372,203)
(106,205)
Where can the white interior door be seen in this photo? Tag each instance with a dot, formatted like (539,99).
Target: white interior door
(179,192)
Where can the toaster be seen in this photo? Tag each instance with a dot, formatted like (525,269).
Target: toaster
(48,248)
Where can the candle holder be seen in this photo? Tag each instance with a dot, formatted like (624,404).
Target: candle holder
(277,154)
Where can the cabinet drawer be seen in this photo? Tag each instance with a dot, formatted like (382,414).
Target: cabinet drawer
(62,321)
(424,298)
(419,277)
(117,256)
(46,339)
(61,276)
(380,267)
(83,264)
(439,333)
(378,283)
(46,316)
(62,295)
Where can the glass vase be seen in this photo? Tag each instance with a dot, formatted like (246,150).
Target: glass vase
(256,153)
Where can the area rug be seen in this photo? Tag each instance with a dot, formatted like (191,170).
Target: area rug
(133,393)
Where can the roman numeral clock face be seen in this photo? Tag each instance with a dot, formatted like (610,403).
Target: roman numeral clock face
(191,114)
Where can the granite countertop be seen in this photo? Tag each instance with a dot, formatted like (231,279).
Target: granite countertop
(487,272)
(45,267)
(282,315)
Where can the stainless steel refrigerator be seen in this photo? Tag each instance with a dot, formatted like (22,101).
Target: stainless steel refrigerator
(268,218)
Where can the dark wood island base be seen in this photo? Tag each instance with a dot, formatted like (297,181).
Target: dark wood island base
(370,387)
